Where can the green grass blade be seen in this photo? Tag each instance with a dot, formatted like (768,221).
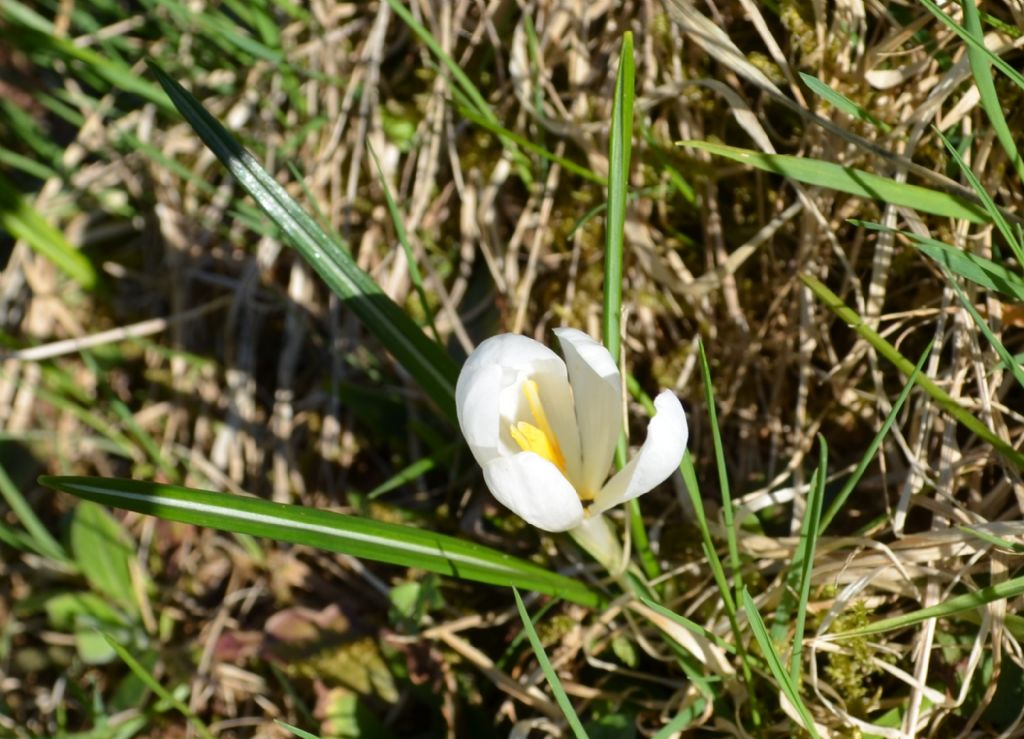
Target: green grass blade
(728,524)
(707,540)
(852,181)
(681,720)
(952,607)
(803,560)
(723,474)
(620,147)
(335,532)
(422,358)
(35,31)
(943,399)
(524,143)
(24,222)
(840,500)
(986,201)
(977,269)
(295,730)
(974,43)
(981,69)
(549,672)
(153,684)
(994,540)
(40,539)
(1008,359)
(786,684)
(843,103)
(692,626)
(415,470)
(619,150)
(403,239)
(465,84)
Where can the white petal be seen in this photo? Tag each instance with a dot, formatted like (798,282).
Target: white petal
(535,490)
(488,394)
(597,392)
(659,456)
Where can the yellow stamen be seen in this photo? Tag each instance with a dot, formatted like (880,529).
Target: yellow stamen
(539,439)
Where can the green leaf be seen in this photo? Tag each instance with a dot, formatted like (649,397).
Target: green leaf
(986,200)
(981,68)
(843,103)
(850,180)
(840,500)
(39,538)
(549,672)
(956,605)
(782,677)
(334,532)
(977,269)
(301,733)
(803,560)
(104,553)
(422,358)
(24,222)
(619,150)
(943,399)
(975,44)
(66,611)
(140,671)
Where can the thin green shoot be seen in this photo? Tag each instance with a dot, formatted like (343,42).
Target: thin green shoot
(843,103)
(403,239)
(785,682)
(981,70)
(153,684)
(561,698)
(803,560)
(986,201)
(943,399)
(954,606)
(840,500)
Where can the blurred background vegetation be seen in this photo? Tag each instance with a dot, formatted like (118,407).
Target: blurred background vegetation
(155,325)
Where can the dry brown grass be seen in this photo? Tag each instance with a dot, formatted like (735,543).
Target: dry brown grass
(217,346)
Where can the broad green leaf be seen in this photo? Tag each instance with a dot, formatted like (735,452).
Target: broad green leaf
(943,399)
(850,180)
(65,611)
(549,672)
(782,678)
(104,553)
(422,358)
(334,532)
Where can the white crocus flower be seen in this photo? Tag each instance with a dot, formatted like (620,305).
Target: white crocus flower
(544,431)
